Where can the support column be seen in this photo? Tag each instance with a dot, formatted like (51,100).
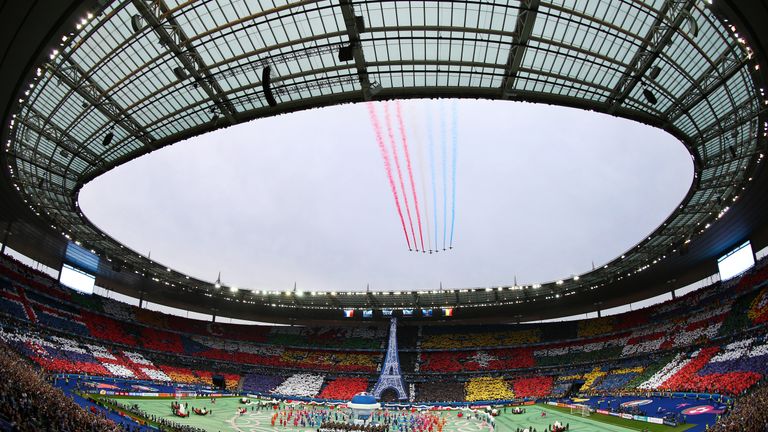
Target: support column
(5,237)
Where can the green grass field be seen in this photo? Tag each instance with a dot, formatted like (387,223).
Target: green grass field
(627,424)
(224,418)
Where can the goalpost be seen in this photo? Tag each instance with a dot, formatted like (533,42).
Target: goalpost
(580,409)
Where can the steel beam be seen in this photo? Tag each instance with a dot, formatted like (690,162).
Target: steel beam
(671,16)
(526,18)
(173,37)
(73,76)
(353,32)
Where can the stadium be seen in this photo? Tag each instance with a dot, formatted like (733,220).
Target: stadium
(95,335)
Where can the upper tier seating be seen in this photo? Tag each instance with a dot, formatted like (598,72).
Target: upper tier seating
(500,359)
(450,337)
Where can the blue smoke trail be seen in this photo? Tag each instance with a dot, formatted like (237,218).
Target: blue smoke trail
(444,147)
(430,134)
(454,144)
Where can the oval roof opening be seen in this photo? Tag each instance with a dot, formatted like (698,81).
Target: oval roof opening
(537,193)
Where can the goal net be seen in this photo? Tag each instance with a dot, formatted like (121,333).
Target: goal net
(579,409)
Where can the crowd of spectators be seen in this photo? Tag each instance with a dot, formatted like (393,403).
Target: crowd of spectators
(29,403)
(532,387)
(487,388)
(497,359)
(478,338)
(446,391)
(343,388)
(749,413)
(300,384)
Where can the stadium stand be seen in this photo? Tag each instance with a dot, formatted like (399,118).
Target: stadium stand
(343,388)
(29,402)
(487,389)
(445,391)
(533,387)
(705,341)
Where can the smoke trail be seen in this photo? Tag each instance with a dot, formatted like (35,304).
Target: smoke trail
(454,144)
(419,139)
(387,165)
(399,112)
(391,134)
(431,134)
(444,147)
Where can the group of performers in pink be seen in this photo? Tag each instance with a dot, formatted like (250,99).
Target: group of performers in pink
(307,416)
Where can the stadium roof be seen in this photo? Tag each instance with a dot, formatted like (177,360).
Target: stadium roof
(110,81)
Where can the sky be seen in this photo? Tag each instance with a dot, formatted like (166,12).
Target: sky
(541,193)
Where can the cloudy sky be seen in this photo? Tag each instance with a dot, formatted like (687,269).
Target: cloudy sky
(540,194)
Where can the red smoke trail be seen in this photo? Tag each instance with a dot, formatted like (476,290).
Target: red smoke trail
(391,134)
(399,112)
(387,166)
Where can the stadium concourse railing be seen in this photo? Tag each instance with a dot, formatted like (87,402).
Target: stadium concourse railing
(56,312)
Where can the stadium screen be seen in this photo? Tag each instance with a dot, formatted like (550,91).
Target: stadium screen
(407,312)
(349,313)
(426,312)
(386,312)
(736,261)
(76,279)
(81,257)
(367,314)
(448,312)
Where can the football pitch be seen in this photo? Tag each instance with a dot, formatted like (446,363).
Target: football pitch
(225,418)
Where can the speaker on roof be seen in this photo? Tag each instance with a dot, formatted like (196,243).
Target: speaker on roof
(346,53)
(107,141)
(266,85)
(136,23)
(180,73)
(360,23)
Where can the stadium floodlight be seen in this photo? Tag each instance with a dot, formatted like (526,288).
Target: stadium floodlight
(218,281)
